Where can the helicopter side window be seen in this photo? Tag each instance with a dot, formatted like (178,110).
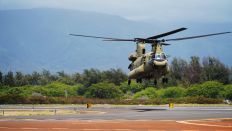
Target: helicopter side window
(153,56)
(144,51)
(163,56)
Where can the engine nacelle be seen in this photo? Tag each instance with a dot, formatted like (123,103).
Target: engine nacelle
(133,56)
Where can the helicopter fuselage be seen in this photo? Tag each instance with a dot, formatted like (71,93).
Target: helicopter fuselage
(151,65)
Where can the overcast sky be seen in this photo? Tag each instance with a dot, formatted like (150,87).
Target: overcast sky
(143,10)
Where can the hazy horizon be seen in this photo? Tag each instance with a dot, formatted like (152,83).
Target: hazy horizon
(139,10)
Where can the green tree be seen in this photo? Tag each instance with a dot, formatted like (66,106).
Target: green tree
(60,89)
(178,69)
(91,76)
(213,69)
(47,77)
(230,76)
(9,79)
(227,93)
(62,74)
(15,91)
(1,78)
(133,87)
(173,92)
(209,89)
(103,90)
(65,78)
(194,70)
(34,78)
(77,78)
(149,92)
(19,79)
(115,76)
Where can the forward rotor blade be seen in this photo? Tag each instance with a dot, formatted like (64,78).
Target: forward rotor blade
(119,40)
(148,41)
(89,36)
(193,37)
(167,33)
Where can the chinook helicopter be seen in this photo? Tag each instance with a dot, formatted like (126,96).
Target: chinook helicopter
(153,64)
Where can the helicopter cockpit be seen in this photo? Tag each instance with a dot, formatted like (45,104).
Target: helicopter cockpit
(159,57)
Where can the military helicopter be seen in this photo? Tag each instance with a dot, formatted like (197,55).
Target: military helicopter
(153,64)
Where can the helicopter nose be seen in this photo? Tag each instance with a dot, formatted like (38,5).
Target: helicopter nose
(160,63)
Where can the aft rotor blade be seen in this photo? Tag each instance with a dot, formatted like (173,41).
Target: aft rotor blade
(193,37)
(165,44)
(104,38)
(89,36)
(167,33)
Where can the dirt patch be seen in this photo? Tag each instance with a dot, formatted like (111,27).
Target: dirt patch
(45,112)
(103,125)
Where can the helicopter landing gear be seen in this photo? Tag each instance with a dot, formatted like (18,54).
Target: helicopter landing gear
(139,80)
(165,80)
(129,82)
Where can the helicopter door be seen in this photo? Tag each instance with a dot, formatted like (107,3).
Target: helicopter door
(144,51)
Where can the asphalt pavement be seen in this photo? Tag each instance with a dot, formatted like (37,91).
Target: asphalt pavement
(125,112)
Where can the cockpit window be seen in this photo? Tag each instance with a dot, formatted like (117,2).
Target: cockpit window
(159,57)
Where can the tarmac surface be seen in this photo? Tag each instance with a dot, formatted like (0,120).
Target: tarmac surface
(113,117)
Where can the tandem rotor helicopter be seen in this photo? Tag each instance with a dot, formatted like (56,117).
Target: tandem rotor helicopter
(153,64)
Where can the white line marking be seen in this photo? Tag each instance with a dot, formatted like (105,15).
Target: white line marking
(199,124)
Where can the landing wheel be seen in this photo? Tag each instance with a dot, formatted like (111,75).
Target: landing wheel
(139,80)
(129,82)
(165,80)
(155,82)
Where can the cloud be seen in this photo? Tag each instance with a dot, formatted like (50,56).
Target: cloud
(145,10)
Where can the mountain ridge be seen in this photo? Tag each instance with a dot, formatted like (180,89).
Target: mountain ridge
(36,39)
